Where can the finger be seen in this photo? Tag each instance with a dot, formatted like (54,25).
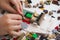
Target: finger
(15,33)
(15,2)
(7,7)
(16,27)
(14,16)
(14,22)
(20,7)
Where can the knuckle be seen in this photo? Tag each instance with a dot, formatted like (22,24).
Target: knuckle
(8,22)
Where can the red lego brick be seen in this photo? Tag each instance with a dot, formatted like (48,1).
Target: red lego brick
(26,21)
(56,27)
(4,39)
(14,38)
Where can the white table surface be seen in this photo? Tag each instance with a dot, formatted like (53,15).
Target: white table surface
(49,23)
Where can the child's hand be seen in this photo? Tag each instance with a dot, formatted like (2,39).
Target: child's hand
(9,23)
(5,4)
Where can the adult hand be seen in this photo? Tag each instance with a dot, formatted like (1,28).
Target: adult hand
(5,4)
(9,23)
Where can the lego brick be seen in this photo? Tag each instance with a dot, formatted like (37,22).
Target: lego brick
(41,6)
(24,25)
(43,37)
(28,15)
(33,19)
(58,18)
(39,18)
(29,1)
(45,11)
(55,2)
(52,16)
(26,21)
(36,15)
(35,35)
(58,11)
(50,12)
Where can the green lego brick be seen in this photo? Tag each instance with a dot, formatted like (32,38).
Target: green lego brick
(28,15)
(35,35)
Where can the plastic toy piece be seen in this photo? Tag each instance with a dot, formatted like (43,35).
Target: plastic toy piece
(26,21)
(35,35)
(56,28)
(24,25)
(21,36)
(40,18)
(28,15)
(47,2)
(55,2)
(58,18)
(52,16)
(45,11)
(50,13)
(58,11)
(29,1)
(43,37)
(14,38)
(58,37)
(36,15)
(33,19)
(41,6)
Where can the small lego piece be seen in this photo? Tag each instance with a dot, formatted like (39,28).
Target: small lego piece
(43,37)
(26,21)
(24,25)
(45,11)
(52,16)
(48,2)
(41,2)
(36,15)
(21,36)
(35,35)
(27,5)
(58,11)
(41,6)
(55,2)
(51,36)
(28,15)
(58,18)
(40,18)
(29,1)
(34,6)
(56,27)
(57,37)
(33,19)
(50,12)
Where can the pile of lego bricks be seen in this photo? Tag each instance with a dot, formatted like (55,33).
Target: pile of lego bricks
(41,4)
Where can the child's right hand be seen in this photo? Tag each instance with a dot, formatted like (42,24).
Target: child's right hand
(9,23)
